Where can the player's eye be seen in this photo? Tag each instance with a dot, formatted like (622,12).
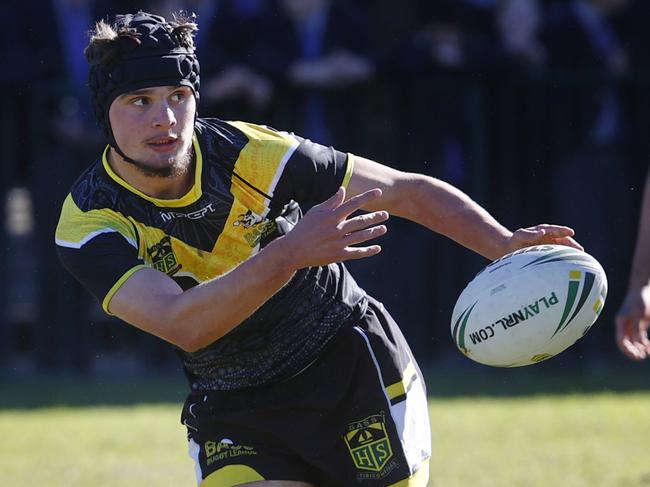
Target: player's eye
(140,101)
(178,96)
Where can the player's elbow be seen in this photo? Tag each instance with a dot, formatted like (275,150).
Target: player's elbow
(186,335)
(188,342)
(190,330)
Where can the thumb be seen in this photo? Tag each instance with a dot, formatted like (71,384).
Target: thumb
(530,234)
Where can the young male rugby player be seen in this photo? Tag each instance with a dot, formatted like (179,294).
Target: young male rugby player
(191,229)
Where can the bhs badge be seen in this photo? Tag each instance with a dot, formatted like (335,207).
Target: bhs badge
(368,443)
(162,256)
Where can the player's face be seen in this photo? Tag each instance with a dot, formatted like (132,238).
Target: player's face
(154,126)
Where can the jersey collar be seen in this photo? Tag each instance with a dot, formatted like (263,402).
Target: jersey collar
(190,197)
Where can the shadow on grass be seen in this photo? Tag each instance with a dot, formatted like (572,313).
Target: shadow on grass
(83,391)
(448,379)
(465,379)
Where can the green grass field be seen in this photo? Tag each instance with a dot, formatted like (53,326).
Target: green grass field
(580,431)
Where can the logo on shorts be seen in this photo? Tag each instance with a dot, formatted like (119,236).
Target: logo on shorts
(162,256)
(225,449)
(369,445)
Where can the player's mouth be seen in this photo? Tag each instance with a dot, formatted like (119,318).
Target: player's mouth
(163,144)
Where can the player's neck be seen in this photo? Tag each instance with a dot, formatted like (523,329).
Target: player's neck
(170,187)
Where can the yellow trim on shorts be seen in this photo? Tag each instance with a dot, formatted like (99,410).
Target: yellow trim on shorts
(419,479)
(231,475)
(118,285)
(399,388)
(348,171)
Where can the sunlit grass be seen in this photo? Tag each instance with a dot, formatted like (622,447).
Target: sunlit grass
(595,439)
(98,446)
(575,441)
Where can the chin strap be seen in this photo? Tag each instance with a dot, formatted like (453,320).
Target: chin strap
(124,156)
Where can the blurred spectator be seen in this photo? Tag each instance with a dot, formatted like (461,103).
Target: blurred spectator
(519,24)
(634,29)
(511,99)
(315,51)
(580,38)
(72,122)
(393,22)
(588,136)
(453,48)
(63,130)
(231,86)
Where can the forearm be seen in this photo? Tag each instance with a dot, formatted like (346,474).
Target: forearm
(640,271)
(432,203)
(450,212)
(194,318)
(239,292)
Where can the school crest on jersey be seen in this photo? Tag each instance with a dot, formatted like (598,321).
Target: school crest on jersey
(369,444)
(256,227)
(162,256)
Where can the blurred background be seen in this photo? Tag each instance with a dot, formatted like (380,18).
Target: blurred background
(539,109)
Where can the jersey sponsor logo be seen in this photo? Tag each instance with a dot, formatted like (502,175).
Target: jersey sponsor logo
(225,449)
(162,256)
(194,215)
(370,446)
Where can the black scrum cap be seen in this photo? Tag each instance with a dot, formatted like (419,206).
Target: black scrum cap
(153,53)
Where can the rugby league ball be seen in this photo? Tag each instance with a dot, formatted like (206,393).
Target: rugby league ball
(529,306)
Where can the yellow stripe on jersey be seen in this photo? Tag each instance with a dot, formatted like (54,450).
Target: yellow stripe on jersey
(77,227)
(235,244)
(399,388)
(261,163)
(419,479)
(192,195)
(174,256)
(348,170)
(109,295)
(232,475)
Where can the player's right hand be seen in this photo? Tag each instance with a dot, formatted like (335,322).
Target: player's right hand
(632,323)
(328,234)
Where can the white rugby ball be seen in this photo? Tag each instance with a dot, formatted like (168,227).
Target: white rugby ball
(528,306)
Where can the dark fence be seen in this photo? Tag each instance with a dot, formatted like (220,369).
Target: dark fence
(565,149)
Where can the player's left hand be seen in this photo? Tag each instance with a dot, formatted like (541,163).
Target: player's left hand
(633,324)
(543,234)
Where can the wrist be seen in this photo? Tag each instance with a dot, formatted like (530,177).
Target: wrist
(280,259)
(503,245)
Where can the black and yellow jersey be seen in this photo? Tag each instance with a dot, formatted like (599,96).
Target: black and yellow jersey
(250,182)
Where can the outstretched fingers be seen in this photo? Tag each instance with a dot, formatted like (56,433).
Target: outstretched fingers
(357,202)
(361,222)
(364,235)
(360,229)
(354,253)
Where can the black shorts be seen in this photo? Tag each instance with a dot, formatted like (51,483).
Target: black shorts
(357,416)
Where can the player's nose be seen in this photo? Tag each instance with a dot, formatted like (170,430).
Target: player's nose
(163,116)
